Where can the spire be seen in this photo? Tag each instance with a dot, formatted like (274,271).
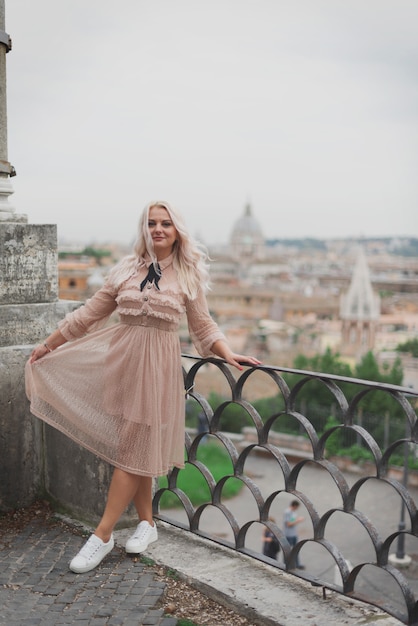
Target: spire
(360,303)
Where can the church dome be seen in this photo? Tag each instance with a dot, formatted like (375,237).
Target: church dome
(246,237)
(247,225)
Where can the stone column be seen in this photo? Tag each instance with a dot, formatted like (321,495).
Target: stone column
(7,211)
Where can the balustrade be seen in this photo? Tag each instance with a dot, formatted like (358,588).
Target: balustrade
(359,536)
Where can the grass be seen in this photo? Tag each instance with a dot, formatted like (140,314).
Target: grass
(190,480)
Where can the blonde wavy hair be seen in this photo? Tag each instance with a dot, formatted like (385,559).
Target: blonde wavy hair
(190,258)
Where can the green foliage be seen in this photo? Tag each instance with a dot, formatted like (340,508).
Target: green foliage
(96,253)
(377,411)
(377,404)
(327,362)
(385,293)
(190,480)
(356,453)
(172,573)
(266,407)
(315,401)
(409,346)
(234,417)
(399,460)
(368,369)
(193,409)
(334,442)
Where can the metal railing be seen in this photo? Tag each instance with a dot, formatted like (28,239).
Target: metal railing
(358,524)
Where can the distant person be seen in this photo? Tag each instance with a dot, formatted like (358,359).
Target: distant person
(118,390)
(290,523)
(271,546)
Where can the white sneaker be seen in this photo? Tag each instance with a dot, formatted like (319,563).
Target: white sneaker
(91,554)
(142,537)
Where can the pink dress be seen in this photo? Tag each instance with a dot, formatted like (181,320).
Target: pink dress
(118,391)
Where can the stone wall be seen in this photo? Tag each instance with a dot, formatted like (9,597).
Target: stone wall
(36,460)
(21,454)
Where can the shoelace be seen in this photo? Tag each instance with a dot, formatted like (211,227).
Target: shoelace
(140,533)
(89,549)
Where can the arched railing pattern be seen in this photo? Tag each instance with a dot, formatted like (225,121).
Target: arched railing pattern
(355,524)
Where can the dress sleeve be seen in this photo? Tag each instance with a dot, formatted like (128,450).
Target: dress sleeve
(203,330)
(90,316)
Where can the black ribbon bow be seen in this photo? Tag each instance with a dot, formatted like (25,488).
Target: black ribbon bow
(153,276)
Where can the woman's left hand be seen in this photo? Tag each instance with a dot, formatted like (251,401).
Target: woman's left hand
(237,359)
(222,349)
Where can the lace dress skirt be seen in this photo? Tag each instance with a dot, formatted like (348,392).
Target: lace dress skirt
(118,392)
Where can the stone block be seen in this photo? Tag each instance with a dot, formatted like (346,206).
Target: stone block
(30,323)
(28,263)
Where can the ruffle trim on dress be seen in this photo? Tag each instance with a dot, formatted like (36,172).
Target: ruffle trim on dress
(157,314)
(165,299)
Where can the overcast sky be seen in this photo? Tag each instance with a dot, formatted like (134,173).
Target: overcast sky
(307,109)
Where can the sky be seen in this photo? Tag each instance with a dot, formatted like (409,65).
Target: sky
(306,109)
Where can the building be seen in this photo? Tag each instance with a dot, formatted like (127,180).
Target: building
(359,311)
(247,242)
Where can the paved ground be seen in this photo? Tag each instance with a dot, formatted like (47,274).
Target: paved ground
(36,586)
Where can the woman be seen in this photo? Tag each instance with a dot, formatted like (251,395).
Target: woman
(118,390)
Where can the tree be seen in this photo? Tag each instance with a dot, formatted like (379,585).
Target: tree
(378,406)
(409,346)
(96,253)
(317,403)
(315,400)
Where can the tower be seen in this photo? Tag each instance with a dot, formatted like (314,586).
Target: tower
(359,311)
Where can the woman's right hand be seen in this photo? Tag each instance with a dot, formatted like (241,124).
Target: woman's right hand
(53,341)
(38,352)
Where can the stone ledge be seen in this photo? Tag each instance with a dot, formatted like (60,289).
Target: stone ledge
(269,597)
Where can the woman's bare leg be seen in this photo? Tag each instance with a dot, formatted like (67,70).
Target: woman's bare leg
(143,499)
(123,489)
(146,531)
